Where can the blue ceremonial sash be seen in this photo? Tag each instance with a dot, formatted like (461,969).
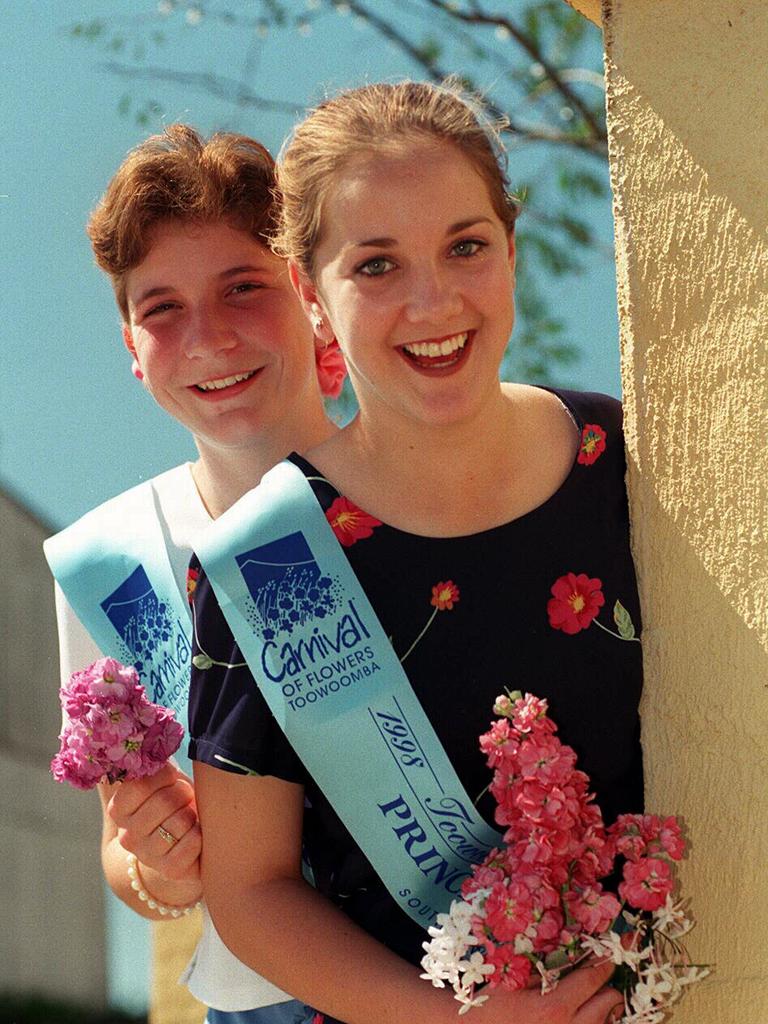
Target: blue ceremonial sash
(114,570)
(337,689)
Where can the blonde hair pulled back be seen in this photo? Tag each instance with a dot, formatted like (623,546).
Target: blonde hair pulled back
(380,118)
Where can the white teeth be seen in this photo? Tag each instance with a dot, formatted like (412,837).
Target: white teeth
(224,382)
(438,348)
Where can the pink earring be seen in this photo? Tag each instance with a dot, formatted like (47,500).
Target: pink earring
(136,370)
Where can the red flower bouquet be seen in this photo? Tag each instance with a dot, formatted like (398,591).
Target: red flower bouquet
(537,908)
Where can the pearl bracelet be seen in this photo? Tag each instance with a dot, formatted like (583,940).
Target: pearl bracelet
(137,884)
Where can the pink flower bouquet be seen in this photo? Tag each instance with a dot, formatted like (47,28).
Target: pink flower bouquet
(537,908)
(112,731)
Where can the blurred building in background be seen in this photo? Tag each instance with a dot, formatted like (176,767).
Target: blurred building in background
(53,937)
(64,936)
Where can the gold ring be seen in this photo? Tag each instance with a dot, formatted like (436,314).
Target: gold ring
(167,836)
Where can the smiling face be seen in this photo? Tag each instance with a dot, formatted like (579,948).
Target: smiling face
(414,273)
(218,334)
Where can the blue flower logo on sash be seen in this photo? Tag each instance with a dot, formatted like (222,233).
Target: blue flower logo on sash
(286,585)
(153,642)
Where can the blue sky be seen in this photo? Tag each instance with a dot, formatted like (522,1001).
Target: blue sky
(77,428)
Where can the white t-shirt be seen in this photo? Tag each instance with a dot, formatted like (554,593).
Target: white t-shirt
(214,976)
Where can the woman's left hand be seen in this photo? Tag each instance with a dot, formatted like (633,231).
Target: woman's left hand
(156,819)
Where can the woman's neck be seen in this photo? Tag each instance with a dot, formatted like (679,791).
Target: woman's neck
(449,472)
(451,481)
(222,475)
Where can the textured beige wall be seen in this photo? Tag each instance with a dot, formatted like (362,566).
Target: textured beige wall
(687,114)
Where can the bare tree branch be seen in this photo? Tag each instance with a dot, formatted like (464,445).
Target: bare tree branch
(238,92)
(479,17)
(595,143)
(217,85)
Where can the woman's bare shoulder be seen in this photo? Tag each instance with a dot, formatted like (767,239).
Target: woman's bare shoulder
(543,411)
(542,415)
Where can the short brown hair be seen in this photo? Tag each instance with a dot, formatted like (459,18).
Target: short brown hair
(179,176)
(374,119)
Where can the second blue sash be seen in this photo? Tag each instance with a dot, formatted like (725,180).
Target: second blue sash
(114,569)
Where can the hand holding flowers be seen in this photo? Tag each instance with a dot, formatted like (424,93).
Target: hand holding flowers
(113,733)
(141,808)
(537,908)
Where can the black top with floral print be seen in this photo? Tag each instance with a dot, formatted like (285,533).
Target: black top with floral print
(547,604)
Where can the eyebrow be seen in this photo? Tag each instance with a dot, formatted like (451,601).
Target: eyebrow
(454,229)
(161,289)
(225,275)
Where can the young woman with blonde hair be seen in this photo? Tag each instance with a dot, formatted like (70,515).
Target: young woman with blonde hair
(487,525)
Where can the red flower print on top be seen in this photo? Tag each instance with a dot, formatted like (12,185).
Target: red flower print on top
(444,596)
(192,577)
(592,444)
(350,523)
(575,602)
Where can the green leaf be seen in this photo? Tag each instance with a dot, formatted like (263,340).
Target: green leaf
(623,621)
(557,959)
(203,662)
(89,30)
(532,24)
(577,182)
(564,354)
(524,193)
(430,50)
(555,258)
(578,229)
(277,11)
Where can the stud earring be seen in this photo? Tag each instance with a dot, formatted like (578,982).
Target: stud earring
(317,318)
